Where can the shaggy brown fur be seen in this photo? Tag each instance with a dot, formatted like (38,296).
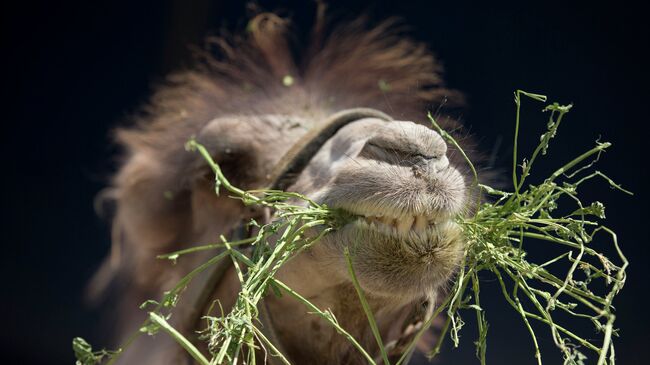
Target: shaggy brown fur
(236,104)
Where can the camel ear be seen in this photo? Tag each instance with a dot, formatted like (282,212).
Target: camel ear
(151,212)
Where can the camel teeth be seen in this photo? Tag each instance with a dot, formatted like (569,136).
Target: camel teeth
(387,220)
(420,224)
(404,225)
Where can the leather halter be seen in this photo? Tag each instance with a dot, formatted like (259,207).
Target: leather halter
(285,173)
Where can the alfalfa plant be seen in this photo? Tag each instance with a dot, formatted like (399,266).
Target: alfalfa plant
(529,215)
(497,236)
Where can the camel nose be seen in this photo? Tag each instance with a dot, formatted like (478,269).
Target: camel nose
(407,144)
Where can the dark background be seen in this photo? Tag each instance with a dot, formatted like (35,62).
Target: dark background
(73,71)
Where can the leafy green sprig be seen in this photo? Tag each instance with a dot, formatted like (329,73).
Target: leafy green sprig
(497,236)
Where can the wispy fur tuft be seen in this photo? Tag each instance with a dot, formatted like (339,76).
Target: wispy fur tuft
(354,65)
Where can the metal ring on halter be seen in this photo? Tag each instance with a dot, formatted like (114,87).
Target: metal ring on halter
(283,176)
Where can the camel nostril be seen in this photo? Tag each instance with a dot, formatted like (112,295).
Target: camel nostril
(407,144)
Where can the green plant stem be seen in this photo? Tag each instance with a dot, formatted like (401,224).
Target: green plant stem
(268,343)
(424,328)
(481,346)
(366,307)
(327,316)
(176,254)
(518,94)
(599,148)
(179,338)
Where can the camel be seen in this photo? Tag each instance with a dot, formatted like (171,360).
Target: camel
(248,100)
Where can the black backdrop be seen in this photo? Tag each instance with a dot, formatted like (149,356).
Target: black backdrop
(72,71)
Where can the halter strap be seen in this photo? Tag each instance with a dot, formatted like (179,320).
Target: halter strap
(297,158)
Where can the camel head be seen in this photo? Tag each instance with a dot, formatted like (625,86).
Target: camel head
(249,100)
